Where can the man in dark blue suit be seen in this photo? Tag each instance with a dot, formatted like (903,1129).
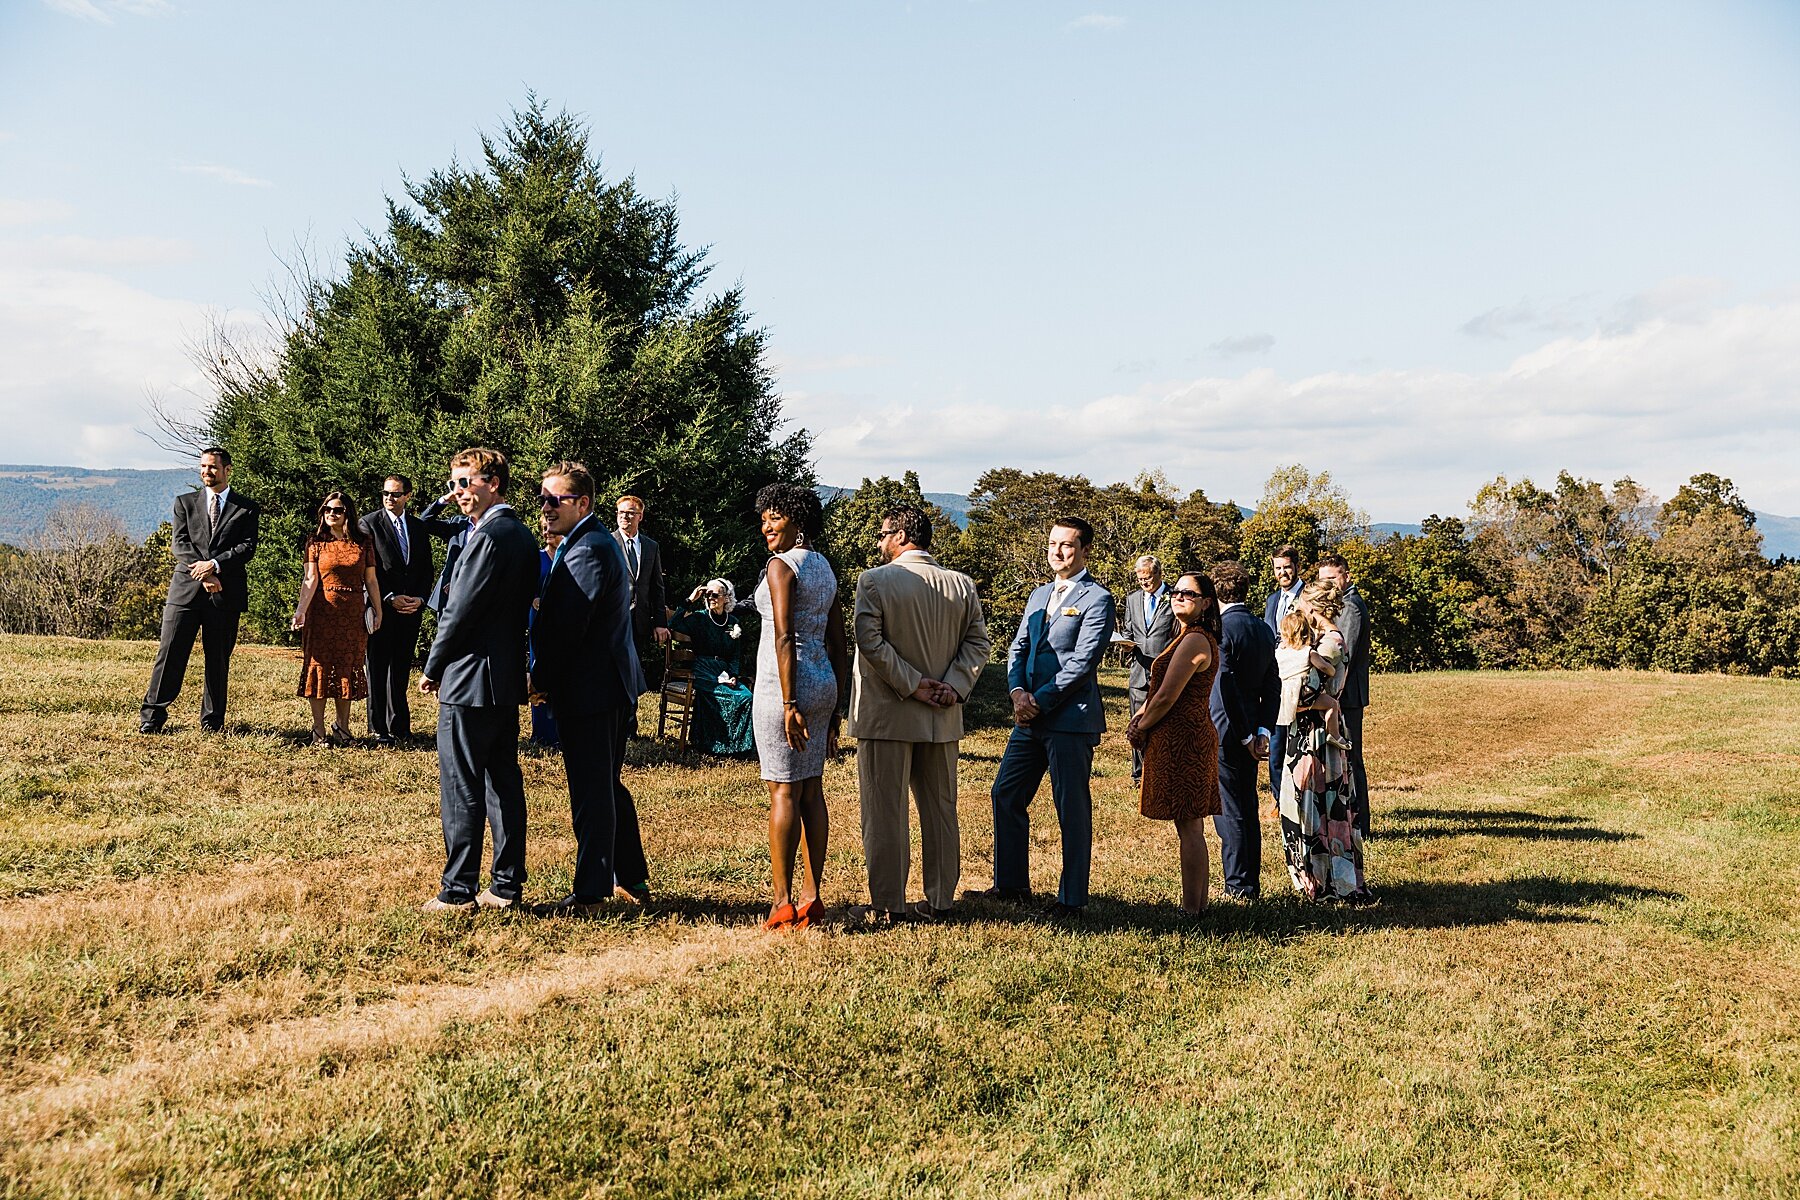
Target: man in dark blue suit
(587,667)
(477,669)
(1288,584)
(1053,671)
(1246,697)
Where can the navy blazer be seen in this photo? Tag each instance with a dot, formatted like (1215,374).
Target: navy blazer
(478,655)
(582,652)
(1269,609)
(192,539)
(1246,692)
(1058,661)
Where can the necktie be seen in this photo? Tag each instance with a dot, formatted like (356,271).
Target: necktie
(212,514)
(400,531)
(1056,600)
(631,559)
(1150,606)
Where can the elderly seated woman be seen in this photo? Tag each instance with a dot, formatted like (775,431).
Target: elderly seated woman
(709,621)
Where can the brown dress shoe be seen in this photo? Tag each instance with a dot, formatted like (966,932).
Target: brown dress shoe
(486,899)
(639,895)
(435,905)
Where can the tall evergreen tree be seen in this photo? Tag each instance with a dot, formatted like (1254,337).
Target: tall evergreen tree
(527,304)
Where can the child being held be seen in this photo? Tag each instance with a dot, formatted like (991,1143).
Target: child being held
(1302,668)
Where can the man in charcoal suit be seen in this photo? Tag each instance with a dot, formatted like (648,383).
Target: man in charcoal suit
(1150,624)
(1246,697)
(587,668)
(643,563)
(1353,623)
(921,642)
(406,575)
(1288,584)
(477,669)
(213,538)
(1053,671)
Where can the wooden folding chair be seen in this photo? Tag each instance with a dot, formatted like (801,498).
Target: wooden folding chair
(677,691)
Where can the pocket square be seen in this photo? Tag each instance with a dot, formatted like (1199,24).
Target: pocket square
(1071,612)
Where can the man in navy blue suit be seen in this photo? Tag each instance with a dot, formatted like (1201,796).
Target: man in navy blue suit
(1053,671)
(477,669)
(1246,697)
(587,667)
(1288,584)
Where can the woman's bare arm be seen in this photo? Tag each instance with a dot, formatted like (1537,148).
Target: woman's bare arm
(1188,658)
(787,660)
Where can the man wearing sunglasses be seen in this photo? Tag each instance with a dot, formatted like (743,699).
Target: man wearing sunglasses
(215,533)
(586,666)
(477,668)
(405,572)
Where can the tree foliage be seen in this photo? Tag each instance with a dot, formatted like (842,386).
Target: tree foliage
(526,303)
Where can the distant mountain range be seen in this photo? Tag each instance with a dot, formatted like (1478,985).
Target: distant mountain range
(142,500)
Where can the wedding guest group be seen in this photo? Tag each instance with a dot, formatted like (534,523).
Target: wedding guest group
(921,642)
(213,536)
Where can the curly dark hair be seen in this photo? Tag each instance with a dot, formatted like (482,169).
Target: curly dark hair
(797,503)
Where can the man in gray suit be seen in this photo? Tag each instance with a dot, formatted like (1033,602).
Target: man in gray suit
(1150,624)
(1053,670)
(477,669)
(921,641)
(1353,623)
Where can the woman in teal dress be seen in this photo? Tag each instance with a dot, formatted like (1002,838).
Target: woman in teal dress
(716,633)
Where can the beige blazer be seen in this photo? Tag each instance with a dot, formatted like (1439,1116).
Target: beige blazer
(913,619)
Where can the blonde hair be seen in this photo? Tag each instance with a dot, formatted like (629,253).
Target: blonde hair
(628,498)
(1324,599)
(1295,626)
(484,461)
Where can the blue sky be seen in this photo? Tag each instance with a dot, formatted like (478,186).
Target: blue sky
(1417,245)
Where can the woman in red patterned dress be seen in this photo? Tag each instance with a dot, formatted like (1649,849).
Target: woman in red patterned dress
(1175,731)
(334,639)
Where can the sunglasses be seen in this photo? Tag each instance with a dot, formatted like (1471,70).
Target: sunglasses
(547,500)
(463,485)
(1186,594)
(885,534)
(334,508)
(395,495)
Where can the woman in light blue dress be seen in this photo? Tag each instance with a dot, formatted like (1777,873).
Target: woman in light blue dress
(802,674)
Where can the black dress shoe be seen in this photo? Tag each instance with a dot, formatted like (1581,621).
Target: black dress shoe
(922,911)
(1056,910)
(1004,895)
(881,918)
(382,739)
(150,726)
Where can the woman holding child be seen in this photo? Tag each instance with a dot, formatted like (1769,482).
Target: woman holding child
(1318,801)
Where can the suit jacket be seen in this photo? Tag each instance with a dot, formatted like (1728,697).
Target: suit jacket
(1353,623)
(1056,656)
(582,652)
(1269,611)
(478,655)
(1246,692)
(231,546)
(1151,638)
(455,531)
(647,603)
(914,619)
(413,576)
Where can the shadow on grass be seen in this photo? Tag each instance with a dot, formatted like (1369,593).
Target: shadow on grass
(1510,823)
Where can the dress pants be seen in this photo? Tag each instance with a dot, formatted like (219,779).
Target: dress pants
(1069,757)
(1277,753)
(1138,697)
(588,744)
(1239,823)
(885,772)
(217,629)
(390,668)
(629,866)
(1353,729)
(478,777)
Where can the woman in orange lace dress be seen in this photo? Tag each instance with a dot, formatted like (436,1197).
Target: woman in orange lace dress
(334,639)
(1175,731)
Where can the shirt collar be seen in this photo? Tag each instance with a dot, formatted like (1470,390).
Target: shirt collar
(221,493)
(913,555)
(1225,608)
(490,512)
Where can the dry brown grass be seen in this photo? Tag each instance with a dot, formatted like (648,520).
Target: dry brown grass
(1580,979)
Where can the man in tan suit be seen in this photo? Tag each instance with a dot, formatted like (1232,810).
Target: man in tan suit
(920,643)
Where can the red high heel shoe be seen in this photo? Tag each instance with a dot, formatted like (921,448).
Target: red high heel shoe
(812,914)
(782,918)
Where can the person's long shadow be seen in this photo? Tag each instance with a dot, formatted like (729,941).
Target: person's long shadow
(1539,899)
(1509,823)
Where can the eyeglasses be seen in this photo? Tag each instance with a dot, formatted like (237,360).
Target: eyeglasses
(396,495)
(630,512)
(1185,594)
(335,508)
(547,500)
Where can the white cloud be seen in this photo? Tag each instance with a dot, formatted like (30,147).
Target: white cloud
(1717,390)
(32,212)
(75,251)
(82,351)
(1253,343)
(7,135)
(102,11)
(1099,22)
(224,174)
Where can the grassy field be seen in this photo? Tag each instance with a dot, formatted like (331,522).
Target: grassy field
(1582,978)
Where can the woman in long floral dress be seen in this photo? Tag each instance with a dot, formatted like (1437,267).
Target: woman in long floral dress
(1318,800)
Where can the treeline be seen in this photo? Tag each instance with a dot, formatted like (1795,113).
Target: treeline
(1577,575)
(79,575)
